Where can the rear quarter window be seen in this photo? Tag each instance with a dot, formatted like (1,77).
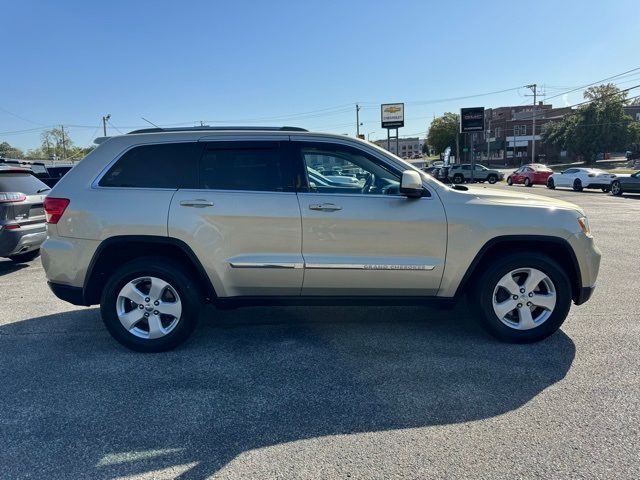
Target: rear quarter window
(166,165)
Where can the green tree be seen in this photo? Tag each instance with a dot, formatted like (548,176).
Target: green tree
(599,126)
(443,131)
(8,151)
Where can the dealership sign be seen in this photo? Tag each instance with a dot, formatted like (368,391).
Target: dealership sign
(471,119)
(392,115)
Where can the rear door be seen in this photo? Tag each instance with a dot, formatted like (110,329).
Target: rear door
(243,219)
(368,240)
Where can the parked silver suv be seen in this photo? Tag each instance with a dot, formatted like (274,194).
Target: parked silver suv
(151,224)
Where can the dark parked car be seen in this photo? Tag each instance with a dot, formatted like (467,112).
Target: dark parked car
(22,217)
(630,184)
(49,173)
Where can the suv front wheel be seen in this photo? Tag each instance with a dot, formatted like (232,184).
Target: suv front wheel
(523,297)
(150,305)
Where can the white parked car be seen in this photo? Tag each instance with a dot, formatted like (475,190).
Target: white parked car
(579,178)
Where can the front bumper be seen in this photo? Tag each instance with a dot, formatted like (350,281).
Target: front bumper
(73,295)
(22,240)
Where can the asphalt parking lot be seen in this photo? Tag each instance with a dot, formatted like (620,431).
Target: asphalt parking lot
(349,392)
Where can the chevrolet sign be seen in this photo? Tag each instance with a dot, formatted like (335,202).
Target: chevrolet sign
(392,115)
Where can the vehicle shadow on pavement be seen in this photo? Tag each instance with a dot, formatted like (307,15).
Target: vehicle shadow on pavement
(76,404)
(7,267)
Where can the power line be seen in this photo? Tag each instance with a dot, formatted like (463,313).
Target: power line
(594,83)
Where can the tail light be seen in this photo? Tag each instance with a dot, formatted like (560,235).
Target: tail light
(54,208)
(6,197)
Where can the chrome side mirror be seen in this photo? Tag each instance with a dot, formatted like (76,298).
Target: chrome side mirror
(411,184)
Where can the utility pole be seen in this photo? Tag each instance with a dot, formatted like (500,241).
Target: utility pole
(105,119)
(533,88)
(64,143)
(357,120)
(488,140)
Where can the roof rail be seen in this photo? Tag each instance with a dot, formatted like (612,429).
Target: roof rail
(205,129)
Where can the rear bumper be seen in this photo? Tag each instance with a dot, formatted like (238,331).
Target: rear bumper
(584,294)
(73,295)
(22,240)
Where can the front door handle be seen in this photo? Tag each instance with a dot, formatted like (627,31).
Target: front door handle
(324,207)
(197,203)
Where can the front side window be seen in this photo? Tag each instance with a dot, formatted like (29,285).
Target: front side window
(342,169)
(251,166)
(166,165)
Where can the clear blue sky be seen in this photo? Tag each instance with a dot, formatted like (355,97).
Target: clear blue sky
(263,62)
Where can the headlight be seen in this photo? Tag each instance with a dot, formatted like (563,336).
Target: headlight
(584,226)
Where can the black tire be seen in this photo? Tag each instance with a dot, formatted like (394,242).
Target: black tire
(25,257)
(492,179)
(577,185)
(527,182)
(551,184)
(488,280)
(509,180)
(458,178)
(616,188)
(166,270)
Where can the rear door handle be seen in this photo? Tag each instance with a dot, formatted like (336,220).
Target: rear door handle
(324,207)
(197,203)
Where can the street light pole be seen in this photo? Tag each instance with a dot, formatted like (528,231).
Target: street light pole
(357,120)
(105,119)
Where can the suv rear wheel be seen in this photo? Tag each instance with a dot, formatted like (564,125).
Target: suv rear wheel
(458,178)
(523,297)
(150,305)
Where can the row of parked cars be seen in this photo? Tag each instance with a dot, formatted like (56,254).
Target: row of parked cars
(576,178)
(23,187)
(538,174)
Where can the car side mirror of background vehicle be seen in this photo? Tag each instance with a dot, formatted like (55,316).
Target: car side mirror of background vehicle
(411,184)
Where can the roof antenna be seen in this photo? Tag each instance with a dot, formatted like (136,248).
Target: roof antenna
(151,123)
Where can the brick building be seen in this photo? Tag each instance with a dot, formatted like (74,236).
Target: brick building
(509,134)
(633,111)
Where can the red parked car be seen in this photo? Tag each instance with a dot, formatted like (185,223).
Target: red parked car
(531,174)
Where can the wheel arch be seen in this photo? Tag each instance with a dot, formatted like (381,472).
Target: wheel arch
(116,251)
(554,247)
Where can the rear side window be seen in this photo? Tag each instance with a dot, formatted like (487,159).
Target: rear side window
(21,182)
(167,165)
(251,166)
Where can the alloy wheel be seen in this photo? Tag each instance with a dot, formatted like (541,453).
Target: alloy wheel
(524,298)
(148,307)
(615,188)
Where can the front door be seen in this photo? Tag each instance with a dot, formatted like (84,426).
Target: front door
(360,236)
(243,220)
